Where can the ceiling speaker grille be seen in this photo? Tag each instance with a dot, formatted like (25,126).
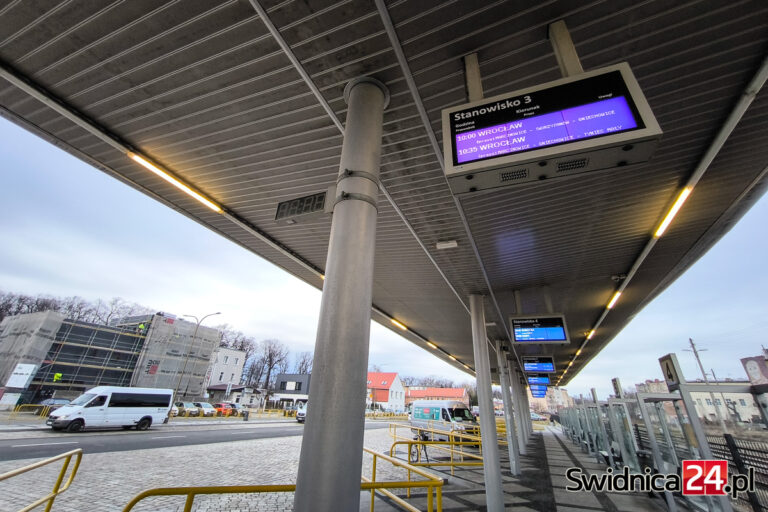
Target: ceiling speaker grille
(570,165)
(517,174)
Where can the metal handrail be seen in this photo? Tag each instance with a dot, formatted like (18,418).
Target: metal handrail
(433,484)
(57,488)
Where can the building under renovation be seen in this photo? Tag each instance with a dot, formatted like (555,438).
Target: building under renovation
(65,357)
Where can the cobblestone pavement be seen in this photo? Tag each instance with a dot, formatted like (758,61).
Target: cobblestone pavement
(107,481)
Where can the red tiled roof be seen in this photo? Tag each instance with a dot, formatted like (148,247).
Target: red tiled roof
(380,380)
(438,393)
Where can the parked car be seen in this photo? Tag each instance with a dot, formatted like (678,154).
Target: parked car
(206,408)
(174,411)
(537,417)
(187,409)
(228,409)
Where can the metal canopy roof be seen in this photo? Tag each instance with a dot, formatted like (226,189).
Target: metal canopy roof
(204,90)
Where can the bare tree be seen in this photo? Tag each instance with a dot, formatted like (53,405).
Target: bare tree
(408,380)
(303,363)
(117,308)
(273,353)
(282,367)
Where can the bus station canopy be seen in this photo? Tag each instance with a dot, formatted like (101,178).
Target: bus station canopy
(220,96)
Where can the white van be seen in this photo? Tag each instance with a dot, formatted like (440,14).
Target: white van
(110,406)
(442,415)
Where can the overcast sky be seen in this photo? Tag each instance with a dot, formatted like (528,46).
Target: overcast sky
(69,229)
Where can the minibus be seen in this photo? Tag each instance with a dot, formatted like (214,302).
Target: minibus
(110,406)
(442,415)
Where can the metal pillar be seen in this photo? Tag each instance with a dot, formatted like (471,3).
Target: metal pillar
(517,393)
(494,495)
(527,414)
(332,447)
(512,448)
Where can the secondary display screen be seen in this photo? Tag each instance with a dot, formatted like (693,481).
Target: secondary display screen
(539,330)
(593,107)
(538,379)
(537,387)
(301,206)
(538,364)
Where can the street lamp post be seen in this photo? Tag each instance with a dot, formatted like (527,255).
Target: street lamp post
(186,359)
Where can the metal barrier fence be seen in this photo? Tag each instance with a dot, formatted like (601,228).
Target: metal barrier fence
(432,484)
(24,411)
(742,454)
(57,488)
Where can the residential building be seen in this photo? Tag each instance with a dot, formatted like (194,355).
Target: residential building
(291,389)
(385,392)
(737,407)
(226,367)
(235,393)
(555,399)
(427,393)
(652,386)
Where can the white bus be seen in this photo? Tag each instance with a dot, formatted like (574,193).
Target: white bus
(110,406)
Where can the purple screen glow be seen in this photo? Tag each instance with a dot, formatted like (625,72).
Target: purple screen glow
(582,122)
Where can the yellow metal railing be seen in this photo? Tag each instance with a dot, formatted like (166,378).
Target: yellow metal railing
(57,488)
(35,410)
(452,443)
(433,485)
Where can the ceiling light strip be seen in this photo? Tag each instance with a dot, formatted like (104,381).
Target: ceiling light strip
(430,344)
(746,99)
(49,100)
(403,62)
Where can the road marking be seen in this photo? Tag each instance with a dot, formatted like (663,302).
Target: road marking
(41,444)
(166,437)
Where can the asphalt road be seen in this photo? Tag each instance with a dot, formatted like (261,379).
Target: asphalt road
(156,437)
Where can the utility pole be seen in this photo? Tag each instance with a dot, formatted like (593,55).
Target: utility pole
(725,402)
(186,359)
(704,374)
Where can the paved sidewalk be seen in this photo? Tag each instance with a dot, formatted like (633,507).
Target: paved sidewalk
(561,455)
(107,481)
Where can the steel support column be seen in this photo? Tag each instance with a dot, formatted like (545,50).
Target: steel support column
(494,495)
(512,447)
(517,395)
(332,447)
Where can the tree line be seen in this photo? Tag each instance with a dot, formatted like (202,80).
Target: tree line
(264,360)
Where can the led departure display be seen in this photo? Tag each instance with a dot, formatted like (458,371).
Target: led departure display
(585,121)
(585,109)
(595,120)
(538,379)
(542,364)
(542,329)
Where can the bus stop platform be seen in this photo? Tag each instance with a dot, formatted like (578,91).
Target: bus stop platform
(540,487)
